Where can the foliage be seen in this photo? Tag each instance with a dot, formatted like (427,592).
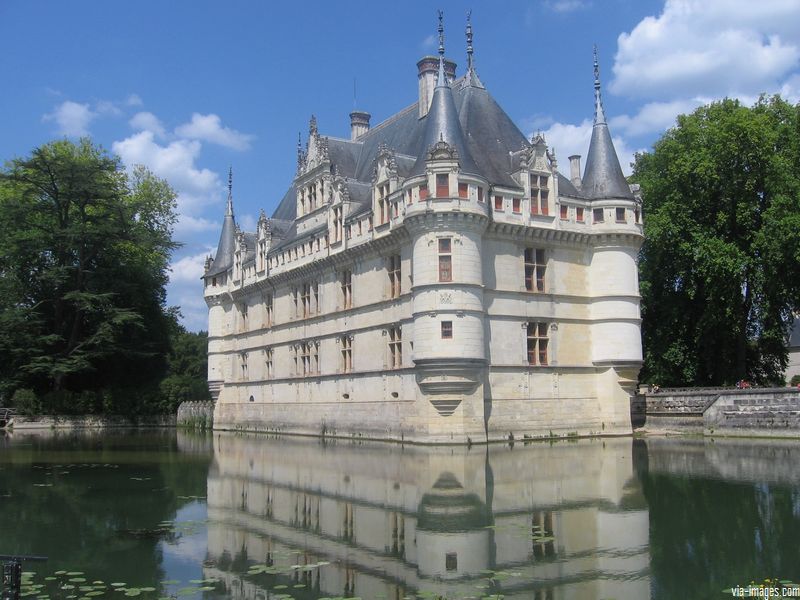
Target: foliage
(795,380)
(720,266)
(187,369)
(26,402)
(84,250)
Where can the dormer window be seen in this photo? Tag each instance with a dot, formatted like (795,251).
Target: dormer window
(540,194)
(383,203)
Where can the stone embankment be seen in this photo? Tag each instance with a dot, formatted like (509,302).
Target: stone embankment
(196,414)
(719,411)
(21,422)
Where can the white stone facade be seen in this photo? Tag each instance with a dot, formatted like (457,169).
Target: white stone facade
(426,303)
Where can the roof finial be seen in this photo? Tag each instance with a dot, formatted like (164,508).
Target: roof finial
(469,40)
(599,113)
(441,80)
(229,208)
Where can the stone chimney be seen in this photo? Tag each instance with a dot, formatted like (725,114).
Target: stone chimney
(575,170)
(427,68)
(359,123)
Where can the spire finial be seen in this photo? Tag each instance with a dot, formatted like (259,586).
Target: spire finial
(441,80)
(441,33)
(469,40)
(229,207)
(599,113)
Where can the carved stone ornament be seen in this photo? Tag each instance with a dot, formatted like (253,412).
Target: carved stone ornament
(441,150)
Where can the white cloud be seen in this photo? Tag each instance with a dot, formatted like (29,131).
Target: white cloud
(654,117)
(133,100)
(147,121)
(72,118)
(189,269)
(710,48)
(209,128)
(188,224)
(175,162)
(107,108)
(565,6)
(568,139)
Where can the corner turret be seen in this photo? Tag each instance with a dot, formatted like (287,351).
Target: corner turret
(603,177)
(442,124)
(223,260)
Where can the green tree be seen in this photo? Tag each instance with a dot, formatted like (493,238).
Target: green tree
(84,250)
(187,371)
(720,266)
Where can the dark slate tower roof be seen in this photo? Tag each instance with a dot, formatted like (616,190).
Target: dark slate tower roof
(442,122)
(603,176)
(227,239)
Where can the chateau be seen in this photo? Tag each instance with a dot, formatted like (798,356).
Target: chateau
(433,279)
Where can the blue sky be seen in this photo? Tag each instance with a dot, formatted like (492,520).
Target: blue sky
(191,87)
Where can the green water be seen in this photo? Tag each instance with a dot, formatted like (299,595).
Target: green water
(165,514)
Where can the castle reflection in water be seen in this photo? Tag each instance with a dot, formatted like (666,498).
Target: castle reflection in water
(535,522)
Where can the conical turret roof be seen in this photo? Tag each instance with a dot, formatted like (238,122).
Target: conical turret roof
(441,122)
(603,177)
(223,260)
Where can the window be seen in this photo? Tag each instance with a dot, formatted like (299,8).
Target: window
(463,190)
(305,299)
(540,194)
(516,205)
(579,214)
(395,347)
(423,192)
(336,234)
(383,204)
(268,365)
(346,343)
(394,276)
(409,199)
(564,212)
(314,357)
(243,365)
(445,260)
(447,330)
(537,343)
(243,316)
(535,266)
(442,186)
(268,310)
(597,215)
(315,296)
(620,215)
(451,561)
(296,301)
(305,357)
(498,203)
(480,194)
(637,215)
(346,284)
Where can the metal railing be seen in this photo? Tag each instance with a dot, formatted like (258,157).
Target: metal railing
(12,573)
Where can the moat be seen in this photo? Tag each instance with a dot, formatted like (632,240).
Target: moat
(160,513)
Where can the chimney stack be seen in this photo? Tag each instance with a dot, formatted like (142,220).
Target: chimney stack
(427,68)
(575,170)
(359,123)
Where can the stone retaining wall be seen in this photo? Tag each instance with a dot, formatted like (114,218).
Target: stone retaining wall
(199,414)
(21,422)
(722,411)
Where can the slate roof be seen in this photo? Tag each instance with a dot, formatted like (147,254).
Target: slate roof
(468,117)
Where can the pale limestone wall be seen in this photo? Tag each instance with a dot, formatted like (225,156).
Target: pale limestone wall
(474,387)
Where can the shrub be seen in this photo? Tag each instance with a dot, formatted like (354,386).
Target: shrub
(26,402)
